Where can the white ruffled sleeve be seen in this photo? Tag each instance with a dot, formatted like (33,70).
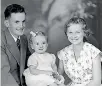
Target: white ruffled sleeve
(32,61)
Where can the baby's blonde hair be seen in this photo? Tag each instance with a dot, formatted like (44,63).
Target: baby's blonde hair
(39,33)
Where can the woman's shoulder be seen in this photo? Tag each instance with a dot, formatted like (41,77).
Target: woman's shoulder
(89,46)
(92,49)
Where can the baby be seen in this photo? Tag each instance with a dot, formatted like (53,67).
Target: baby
(42,70)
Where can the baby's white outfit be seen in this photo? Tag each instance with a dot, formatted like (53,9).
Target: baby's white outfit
(42,62)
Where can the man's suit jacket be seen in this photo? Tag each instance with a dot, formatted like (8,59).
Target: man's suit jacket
(13,56)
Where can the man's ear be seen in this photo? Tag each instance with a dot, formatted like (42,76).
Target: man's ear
(6,23)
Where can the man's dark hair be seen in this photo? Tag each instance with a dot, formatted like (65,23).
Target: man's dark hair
(13,8)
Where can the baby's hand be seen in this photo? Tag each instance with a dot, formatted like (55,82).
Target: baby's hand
(49,73)
(60,80)
(56,76)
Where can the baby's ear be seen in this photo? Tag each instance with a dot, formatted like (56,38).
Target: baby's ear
(47,44)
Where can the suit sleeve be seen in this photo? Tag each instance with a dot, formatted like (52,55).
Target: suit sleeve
(6,77)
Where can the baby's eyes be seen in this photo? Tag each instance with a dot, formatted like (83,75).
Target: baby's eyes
(37,43)
(44,43)
(70,32)
(77,32)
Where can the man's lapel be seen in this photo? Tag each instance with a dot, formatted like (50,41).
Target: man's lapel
(23,54)
(12,46)
(23,48)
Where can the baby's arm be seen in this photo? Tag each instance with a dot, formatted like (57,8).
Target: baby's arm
(54,67)
(35,71)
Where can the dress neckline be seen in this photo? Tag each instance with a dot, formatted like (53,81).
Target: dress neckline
(76,58)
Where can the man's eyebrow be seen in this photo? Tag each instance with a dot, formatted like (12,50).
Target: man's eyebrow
(24,20)
(16,21)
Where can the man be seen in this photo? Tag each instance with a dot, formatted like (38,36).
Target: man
(14,46)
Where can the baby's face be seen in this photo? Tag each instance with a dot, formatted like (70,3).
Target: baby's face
(40,44)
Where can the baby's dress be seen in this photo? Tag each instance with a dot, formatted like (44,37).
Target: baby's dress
(80,71)
(43,62)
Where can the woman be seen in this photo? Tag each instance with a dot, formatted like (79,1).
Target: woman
(80,60)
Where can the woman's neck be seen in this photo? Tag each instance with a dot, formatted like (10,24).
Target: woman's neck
(78,47)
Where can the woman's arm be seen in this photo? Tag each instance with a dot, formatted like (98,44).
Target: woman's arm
(96,71)
(35,71)
(61,67)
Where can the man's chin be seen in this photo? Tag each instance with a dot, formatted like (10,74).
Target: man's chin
(21,33)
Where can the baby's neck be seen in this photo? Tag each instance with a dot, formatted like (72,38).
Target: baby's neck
(41,53)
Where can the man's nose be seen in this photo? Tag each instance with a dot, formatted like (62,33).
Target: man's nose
(21,25)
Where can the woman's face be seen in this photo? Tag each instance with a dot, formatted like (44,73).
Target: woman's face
(75,33)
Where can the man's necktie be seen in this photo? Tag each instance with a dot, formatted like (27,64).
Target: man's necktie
(18,43)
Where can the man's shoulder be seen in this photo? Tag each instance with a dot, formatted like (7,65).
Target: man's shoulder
(2,34)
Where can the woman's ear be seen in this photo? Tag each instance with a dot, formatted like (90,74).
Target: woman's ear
(85,35)
(6,23)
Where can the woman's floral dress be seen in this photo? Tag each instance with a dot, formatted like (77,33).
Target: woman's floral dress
(80,71)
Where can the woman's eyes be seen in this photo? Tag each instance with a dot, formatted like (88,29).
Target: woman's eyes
(72,32)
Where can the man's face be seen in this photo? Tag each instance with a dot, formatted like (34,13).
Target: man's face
(16,24)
